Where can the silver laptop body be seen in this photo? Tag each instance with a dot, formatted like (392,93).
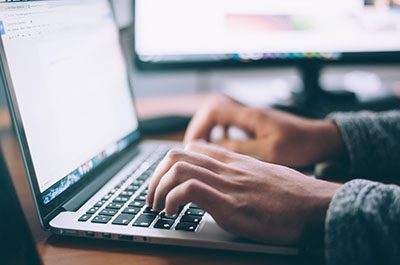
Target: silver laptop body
(70,99)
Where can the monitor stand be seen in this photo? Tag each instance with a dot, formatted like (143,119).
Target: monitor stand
(315,102)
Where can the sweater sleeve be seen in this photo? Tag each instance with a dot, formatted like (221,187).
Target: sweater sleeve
(372,141)
(363,224)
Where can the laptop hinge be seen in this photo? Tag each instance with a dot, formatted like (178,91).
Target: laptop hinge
(91,188)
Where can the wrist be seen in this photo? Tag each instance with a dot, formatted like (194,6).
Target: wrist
(328,138)
(314,227)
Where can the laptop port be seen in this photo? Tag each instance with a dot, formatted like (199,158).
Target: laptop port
(106,235)
(124,237)
(90,234)
(70,232)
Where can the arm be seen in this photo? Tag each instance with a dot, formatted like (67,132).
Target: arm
(363,224)
(372,141)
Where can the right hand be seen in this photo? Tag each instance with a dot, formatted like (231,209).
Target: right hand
(276,136)
(245,196)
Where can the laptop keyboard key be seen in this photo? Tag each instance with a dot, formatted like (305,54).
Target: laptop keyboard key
(141,197)
(183,226)
(144,176)
(115,205)
(92,210)
(172,217)
(132,188)
(137,203)
(194,211)
(84,217)
(127,194)
(145,220)
(131,210)
(191,219)
(101,219)
(113,191)
(164,223)
(123,219)
(109,212)
(121,199)
(100,203)
(194,206)
(150,210)
(138,182)
(107,197)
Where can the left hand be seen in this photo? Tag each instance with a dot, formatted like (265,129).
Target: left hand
(245,196)
(275,136)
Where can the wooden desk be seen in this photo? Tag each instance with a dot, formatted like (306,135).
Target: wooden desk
(74,251)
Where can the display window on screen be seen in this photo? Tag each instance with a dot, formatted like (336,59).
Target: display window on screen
(70,82)
(196,27)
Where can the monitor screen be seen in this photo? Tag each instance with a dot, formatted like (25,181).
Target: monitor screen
(69,77)
(217,30)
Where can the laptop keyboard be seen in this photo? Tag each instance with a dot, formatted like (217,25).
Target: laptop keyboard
(125,204)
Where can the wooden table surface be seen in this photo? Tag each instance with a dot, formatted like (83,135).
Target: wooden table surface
(56,250)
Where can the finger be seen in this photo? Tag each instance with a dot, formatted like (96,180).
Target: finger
(212,150)
(173,157)
(205,196)
(182,172)
(245,147)
(226,131)
(202,124)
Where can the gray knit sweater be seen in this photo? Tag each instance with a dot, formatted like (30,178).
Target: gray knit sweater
(363,220)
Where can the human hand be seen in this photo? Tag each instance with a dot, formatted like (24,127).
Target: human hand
(276,136)
(245,196)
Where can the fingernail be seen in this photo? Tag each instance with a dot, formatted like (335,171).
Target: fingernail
(169,213)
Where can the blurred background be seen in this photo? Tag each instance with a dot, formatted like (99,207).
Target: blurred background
(256,81)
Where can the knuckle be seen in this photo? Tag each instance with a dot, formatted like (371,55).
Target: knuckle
(174,154)
(180,167)
(170,198)
(256,114)
(191,187)
(196,144)
(237,172)
(191,145)
(210,113)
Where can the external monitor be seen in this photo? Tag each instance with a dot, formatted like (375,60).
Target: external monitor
(172,34)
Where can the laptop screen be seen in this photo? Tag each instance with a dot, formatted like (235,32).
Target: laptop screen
(70,82)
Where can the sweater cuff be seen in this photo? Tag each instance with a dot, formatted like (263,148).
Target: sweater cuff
(361,226)
(353,128)
(340,222)
(372,143)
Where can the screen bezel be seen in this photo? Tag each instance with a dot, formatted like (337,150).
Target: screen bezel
(346,58)
(48,211)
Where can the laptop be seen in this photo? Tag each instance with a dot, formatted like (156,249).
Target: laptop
(69,95)
(20,248)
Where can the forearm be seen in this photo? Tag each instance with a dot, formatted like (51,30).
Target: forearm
(363,224)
